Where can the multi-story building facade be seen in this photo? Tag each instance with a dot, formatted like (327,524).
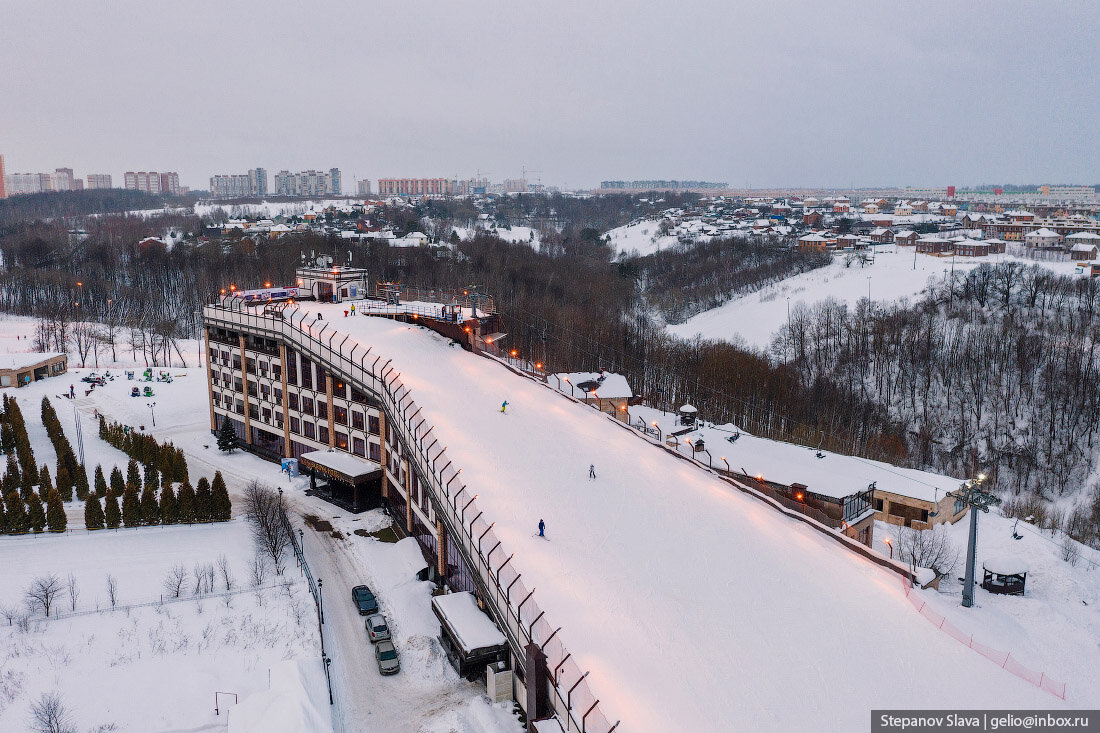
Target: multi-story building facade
(242,185)
(63,179)
(24,183)
(416,187)
(363,187)
(170,183)
(3,184)
(99,180)
(308,183)
(152,182)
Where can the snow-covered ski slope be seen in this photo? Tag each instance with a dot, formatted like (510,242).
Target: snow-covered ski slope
(695,607)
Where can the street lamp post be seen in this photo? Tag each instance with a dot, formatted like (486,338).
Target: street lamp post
(320,601)
(151,414)
(972,494)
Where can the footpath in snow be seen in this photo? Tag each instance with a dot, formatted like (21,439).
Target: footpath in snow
(694,606)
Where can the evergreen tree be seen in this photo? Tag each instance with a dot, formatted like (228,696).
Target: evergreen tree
(18,521)
(118,485)
(12,479)
(93,513)
(100,482)
(80,482)
(133,475)
(202,501)
(227,436)
(185,503)
(169,507)
(150,507)
(55,512)
(36,513)
(29,478)
(7,438)
(45,483)
(3,517)
(152,478)
(131,508)
(221,509)
(112,515)
(64,482)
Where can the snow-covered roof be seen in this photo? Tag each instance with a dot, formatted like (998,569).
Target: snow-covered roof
(1044,233)
(1082,247)
(609,385)
(1084,236)
(1006,565)
(688,408)
(341,462)
(472,629)
(22,361)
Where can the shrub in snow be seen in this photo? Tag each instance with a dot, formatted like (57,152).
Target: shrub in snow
(93,513)
(118,484)
(55,512)
(49,715)
(928,548)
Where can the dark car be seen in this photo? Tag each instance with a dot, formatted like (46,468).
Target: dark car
(364,600)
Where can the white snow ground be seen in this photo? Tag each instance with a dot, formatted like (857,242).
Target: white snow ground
(153,668)
(694,607)
(757,316)
(639,238)
(515,235)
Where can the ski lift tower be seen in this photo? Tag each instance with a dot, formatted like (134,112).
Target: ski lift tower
(978,500)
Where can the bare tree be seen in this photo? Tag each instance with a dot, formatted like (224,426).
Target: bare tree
(928,548)
(112,589)
(74,592)
(84,337)
(173,582)
(204,578)
(265,511)
(227,573)
(1071,551)
(10,613)
(49,715)
(43,591)
(258,570)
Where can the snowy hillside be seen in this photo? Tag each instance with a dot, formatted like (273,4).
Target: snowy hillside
(651,592)
(756,317)
(515,234)
(268,209)
(639,238)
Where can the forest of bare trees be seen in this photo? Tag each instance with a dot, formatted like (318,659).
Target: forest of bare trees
(995,371)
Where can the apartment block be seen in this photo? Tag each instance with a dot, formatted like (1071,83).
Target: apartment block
(416,187)
(99,180)
(308,183)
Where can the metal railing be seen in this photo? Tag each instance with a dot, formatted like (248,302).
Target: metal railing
(499,580)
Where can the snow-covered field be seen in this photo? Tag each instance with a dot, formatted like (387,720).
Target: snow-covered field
(515,235)
(639,238)
(268,209)
(155,667)
(690,603)
(757,316)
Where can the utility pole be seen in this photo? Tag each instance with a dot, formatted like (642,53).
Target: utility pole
(978,500)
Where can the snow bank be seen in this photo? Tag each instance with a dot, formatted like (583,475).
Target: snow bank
(297,700)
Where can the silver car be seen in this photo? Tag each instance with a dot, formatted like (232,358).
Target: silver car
(386,656)
(377,630)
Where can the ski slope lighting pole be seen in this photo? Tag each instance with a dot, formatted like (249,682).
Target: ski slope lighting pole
(154,417)
(972,494)
(320,601)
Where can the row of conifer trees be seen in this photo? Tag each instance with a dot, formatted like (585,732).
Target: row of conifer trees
(24,484)
(122,503)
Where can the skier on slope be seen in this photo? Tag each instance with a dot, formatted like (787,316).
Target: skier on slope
(542,528)
(504,406)
(592,470)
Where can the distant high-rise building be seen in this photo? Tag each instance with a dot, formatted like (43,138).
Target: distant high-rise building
(63,179)
(415,187)
(308,183)
(99,180)
(257,181)
(364,187)
(152,182)
(3,187)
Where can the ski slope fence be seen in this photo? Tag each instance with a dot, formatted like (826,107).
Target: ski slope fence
(508,595)
(1003,660)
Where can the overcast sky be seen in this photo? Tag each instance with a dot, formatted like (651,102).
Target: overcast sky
(767,93)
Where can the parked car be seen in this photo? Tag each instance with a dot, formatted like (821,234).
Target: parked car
(386,655)
(364,600)
(377,630)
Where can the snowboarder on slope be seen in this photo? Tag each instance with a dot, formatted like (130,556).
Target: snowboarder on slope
(542,528)
(592,470)
(504,406)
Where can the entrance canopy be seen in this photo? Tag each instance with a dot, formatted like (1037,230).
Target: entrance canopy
(339,465)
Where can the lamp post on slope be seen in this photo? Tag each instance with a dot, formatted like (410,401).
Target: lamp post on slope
(972,494)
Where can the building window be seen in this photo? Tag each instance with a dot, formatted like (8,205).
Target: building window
(374,425)
(341,440)
(308,429)
(292,401)
(960,506)
(295,426)
(238,385)
(322,409)
(339,389)
(307,373)
(340,414)
(358,446)
(307,405)
(375,453)
(291,367)
(357,420)
(278,394)
(322,433)
(322,375)
(358,397)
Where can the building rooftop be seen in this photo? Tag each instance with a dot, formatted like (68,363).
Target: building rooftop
(27,359)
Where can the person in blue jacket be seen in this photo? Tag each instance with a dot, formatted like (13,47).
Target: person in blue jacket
(542,528)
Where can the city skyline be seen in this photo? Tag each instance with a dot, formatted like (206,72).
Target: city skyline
(785,94)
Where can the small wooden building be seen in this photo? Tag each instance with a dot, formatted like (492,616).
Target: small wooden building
(468,636)
(972,248)
(19,370)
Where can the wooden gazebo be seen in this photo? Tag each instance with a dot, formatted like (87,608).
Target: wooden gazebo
(1005,576)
